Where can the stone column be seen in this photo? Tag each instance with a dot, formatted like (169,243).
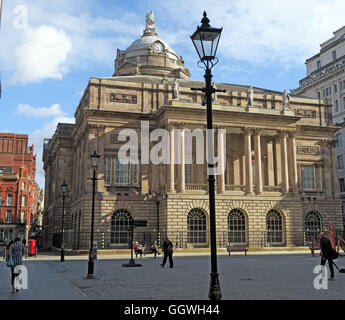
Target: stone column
(327,168)
(221,177)
(182,177)
(248,158)
(270,164)
(258,167)
(336,187)
(172,160)
(284,161)
(277,159)
(293,162)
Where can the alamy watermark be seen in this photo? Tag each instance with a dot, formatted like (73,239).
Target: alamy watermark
(321,280)
(170,141)
(21,280)
(21,17)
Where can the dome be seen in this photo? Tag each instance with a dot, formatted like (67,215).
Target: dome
(150,55)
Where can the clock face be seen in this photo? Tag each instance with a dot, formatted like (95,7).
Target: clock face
(157,47)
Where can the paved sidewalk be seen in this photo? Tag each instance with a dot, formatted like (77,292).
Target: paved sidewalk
(43,284)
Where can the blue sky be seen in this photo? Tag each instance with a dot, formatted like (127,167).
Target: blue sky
(48,58)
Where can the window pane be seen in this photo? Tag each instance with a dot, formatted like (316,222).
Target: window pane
(122,172)
(308,178)
(108,170)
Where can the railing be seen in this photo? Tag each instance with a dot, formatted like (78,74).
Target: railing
(194,239)
(271,189)
(232,188)
(196,187)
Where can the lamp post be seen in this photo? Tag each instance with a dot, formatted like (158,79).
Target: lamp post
(205,40)
(94,163)
(63,190)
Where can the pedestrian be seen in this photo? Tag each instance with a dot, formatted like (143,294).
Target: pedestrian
(328,253)
(15,254)
(168,252)
(154,248)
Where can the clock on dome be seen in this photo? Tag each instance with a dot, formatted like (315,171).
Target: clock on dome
(158,47)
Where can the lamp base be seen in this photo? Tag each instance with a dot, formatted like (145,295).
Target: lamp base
(131,264)
(214,293)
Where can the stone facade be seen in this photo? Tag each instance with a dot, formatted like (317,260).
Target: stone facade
(326,80)
(279,158)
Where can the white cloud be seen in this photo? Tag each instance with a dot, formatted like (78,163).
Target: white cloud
(260,31)
(53,111)
(37,137)
(42,55)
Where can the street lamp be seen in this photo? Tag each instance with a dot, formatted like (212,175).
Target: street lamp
(205,40)
(94,163)
(63,190)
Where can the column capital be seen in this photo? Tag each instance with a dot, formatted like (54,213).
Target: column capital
(283,133)
(292,134)
(171,126)
(247,131)
(257,131)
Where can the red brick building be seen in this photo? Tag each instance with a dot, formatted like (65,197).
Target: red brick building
(18,189)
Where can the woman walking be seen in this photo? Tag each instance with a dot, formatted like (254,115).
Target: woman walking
(16,252)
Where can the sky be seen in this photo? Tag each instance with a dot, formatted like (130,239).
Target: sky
(49,49)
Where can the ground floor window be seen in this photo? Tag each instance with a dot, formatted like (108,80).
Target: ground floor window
(196,225)
(236,227)
(121,227)
(274,224)
(312,225)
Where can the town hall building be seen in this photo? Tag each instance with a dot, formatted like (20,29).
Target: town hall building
(279,188)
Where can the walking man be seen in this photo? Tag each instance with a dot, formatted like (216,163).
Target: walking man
(327,253)
(168,252)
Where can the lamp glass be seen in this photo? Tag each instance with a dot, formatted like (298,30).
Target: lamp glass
(95,159)
(64,187)
(206,40)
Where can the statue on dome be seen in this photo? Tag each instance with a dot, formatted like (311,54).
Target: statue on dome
(150,29)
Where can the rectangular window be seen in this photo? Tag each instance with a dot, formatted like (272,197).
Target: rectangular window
(9,217)
(122,172)
(135,174)
(342,185)
(308,178)
(326,91)
(334,54)
(336,106)
(340,162)
(339,140)
(22,217)
(188,173)
(319,95)
(335,88)
(108,170)
(318,64)
(23,200)
(9,200)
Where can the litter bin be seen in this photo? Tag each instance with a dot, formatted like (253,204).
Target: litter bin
(32,247)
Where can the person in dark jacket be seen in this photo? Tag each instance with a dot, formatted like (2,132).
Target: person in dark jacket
(327,253)
(168,252)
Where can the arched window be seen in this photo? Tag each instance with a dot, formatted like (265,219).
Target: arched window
(312,225)
(196,224)
(121,227)
(236,227)
(274,224)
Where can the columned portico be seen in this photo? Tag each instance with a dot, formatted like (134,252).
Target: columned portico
(172,160)
(257,152)
(248,159)
(284,162)
(182,177)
